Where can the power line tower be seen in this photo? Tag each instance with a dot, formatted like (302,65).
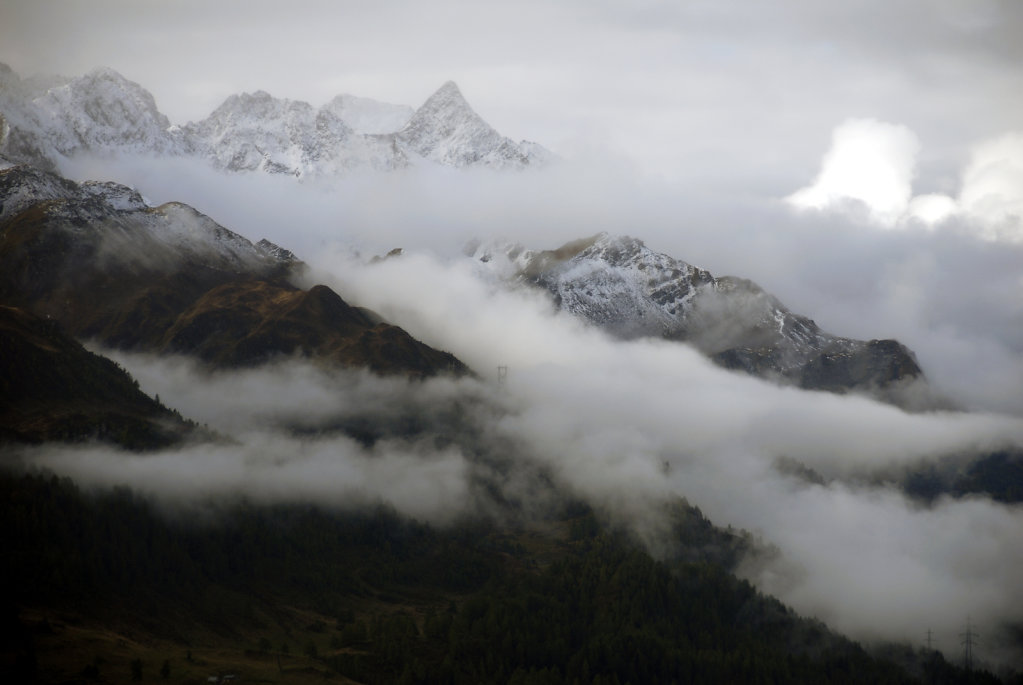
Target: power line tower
(969,640)
(931,657)
(502,376)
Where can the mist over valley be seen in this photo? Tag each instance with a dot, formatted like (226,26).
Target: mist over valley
(371,392)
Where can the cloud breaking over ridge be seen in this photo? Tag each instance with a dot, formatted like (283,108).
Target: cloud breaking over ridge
(624,426)
(684,125)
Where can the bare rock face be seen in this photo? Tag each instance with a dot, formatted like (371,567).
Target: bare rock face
(623,287)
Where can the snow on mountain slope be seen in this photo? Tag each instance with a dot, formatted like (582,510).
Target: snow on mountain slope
(120,197)
(45,121)
(103,111)
(122,227)
(623,287)
(22,138)
(196,238)
(22,186)
(257,132)
(105,267)
(447,130)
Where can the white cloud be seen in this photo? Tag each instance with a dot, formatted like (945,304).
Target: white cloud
(868,173)
(870,161)
(992,188)
(932,208)
(603,417)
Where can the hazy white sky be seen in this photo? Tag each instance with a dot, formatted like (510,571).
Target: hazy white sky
(737,93)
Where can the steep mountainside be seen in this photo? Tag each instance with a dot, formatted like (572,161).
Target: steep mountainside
(51,388)
(251,321)
(102,110)
(301,594)
(112,269)
(620,285)
(43,122)
(447,130)
(95,258)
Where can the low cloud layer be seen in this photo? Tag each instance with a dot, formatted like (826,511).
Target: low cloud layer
(626,426)
(609,417)
(952,296)
(269,468)
(733,105)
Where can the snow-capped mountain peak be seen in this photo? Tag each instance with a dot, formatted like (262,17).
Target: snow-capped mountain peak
(44,121)
(102,110)
(447,130)
(256,131)
(620,285)
(446,105)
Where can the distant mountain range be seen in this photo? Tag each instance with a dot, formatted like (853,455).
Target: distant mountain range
(97,260)
(44,120)
(630,291)
(94,261)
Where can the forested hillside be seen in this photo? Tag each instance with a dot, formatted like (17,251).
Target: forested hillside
(106,587)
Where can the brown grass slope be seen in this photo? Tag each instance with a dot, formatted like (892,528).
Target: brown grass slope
(244,323)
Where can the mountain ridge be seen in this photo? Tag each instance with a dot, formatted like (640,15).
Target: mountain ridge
(106,266)
(619,285)
(43,122)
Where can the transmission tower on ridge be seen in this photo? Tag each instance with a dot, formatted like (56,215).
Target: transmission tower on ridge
(969,639)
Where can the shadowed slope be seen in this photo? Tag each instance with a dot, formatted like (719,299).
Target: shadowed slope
(249,322)
(53,388)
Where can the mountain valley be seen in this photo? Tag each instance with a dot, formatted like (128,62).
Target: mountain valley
(218,465)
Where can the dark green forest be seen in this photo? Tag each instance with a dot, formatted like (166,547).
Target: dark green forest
(302,594)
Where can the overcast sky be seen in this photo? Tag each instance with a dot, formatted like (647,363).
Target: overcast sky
(687,124)
(745,93)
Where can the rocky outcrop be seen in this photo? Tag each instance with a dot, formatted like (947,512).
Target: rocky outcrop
(630,291)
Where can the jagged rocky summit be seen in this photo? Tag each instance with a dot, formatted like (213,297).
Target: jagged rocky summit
(630,291)
(43,121)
